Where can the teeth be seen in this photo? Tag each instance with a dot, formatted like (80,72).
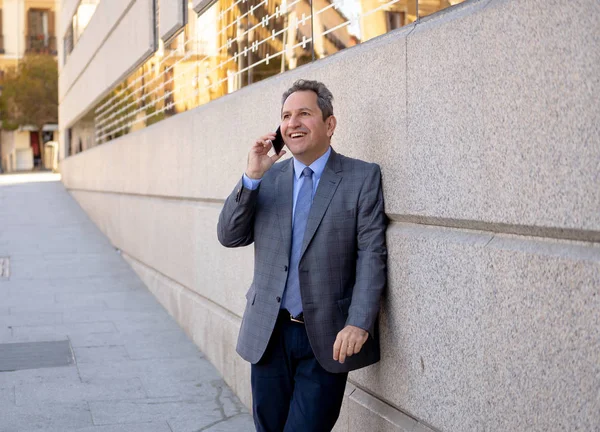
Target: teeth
(296,135)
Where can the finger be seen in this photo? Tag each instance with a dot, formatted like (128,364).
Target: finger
(336,348)
(270,136)
(343,351)
(360,342)
(262,147)
(358,346)
(276,157)
(350,349)
(258,146)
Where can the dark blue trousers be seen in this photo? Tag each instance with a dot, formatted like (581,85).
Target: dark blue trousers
(290,390)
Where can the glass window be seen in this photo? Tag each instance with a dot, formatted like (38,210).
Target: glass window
(79,22)
(83,15)
(234,43)
(428,7)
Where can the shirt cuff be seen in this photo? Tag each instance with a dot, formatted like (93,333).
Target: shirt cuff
(249,183)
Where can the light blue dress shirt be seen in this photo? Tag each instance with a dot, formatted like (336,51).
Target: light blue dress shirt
(317,166)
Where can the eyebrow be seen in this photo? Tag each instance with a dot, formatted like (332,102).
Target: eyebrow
(299,109)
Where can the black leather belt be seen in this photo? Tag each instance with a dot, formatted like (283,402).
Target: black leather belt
(298,319)
(284,313)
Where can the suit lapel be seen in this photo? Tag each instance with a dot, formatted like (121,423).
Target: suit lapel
(285,201)
(327,186)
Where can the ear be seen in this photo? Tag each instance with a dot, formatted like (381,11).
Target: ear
(331,124)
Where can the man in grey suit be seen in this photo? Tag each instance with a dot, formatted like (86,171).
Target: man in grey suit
(318,224)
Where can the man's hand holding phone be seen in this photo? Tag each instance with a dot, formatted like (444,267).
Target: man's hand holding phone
(259,161)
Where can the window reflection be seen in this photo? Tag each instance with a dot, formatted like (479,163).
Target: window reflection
(234,43)
(79,22)
(82,17)
(427,7)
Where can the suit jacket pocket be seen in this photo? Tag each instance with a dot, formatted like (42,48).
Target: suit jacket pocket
(344,305)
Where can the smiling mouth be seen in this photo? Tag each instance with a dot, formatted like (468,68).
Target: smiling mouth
(297,135)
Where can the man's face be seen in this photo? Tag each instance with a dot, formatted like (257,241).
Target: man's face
(304,131)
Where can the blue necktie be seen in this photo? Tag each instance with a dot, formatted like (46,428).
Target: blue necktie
(292,300)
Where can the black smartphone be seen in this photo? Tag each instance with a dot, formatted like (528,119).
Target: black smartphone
(278,141)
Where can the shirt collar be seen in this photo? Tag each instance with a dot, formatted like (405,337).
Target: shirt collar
(317,166)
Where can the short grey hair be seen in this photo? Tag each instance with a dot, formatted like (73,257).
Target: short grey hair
(324,96)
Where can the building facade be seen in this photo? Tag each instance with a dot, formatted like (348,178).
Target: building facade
(483,115)
(26,27)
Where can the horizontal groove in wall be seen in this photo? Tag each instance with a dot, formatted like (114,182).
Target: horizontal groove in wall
(204,300)
(386,410)
(220,202)
(587,236)
(484,228)
(565,249)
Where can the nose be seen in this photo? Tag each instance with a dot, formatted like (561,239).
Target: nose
(293,122)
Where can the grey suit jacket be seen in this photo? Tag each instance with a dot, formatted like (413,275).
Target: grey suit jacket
(342,269)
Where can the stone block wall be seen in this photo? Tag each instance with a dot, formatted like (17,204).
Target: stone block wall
(484,119)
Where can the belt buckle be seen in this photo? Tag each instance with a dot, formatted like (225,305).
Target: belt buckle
(298,320)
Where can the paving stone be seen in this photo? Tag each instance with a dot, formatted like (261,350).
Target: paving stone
(178,369)
(100,354)
(58,392)
(27,288)
(159,323)
(77,300)
(238,423)
(57,308)
(131,301)
(201,410)
(86,258)
(59,332)
(29,319)
(7,396)
(39,301)
(135,367)
(97,284)
(73,269)
(47,415)
(57,244)
(39,376)
(96,339)
(5,334)
(169,347)
(116,316)
(159,387)
(231,405)
(128,300)
(129,339)
(159,426)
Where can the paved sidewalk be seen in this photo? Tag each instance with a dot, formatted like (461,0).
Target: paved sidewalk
(132,368)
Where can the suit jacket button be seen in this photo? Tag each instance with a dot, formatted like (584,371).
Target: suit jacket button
(278,299)
(284,268)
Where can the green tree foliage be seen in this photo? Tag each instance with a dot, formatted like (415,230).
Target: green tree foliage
(30,94)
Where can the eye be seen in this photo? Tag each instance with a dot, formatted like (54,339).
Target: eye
(305,113)
(285,116)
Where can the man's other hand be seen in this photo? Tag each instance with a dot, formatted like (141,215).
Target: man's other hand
(349,341)
(259,161)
